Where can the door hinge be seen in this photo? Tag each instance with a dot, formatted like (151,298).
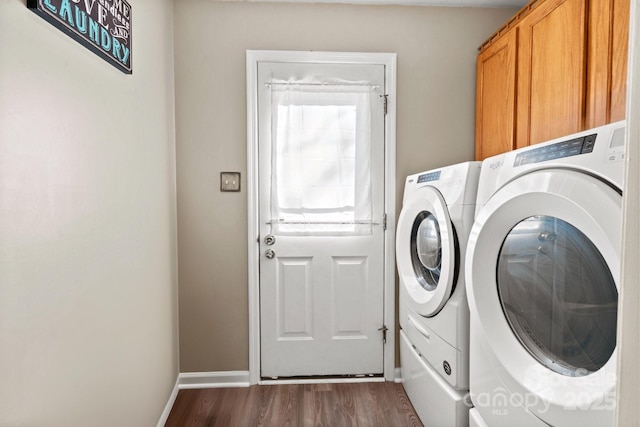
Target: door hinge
(385,102)
(384,222)
(384,330)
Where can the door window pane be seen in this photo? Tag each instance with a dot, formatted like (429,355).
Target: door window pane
(558,295)
(321,178)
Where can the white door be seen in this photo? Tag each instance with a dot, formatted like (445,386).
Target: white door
(321,215)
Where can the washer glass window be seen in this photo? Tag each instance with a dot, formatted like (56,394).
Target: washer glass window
(426,250)
(558,295)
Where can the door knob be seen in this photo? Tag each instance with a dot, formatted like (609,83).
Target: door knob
(269,239)
(269,253)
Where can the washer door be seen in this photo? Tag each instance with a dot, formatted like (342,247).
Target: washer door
(426,251)
(542,276)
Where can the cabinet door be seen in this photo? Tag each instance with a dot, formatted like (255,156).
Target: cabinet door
(495,97)
(619,54)
(551,71)
(607,61)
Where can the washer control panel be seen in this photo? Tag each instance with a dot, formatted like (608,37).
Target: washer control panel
(428,177)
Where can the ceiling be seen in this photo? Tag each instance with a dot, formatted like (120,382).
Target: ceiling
(452,3)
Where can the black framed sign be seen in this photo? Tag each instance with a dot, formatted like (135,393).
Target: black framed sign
(102,26)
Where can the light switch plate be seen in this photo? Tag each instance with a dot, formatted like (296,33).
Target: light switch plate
(229,181)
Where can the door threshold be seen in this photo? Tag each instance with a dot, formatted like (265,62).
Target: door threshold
(324,379)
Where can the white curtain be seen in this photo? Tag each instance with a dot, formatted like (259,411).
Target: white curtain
(321,157)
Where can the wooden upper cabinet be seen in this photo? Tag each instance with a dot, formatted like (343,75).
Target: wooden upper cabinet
(495,97)
(551,71)
(619,55)
(607,66)
(570,63)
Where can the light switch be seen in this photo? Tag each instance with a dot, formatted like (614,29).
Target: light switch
(229,181)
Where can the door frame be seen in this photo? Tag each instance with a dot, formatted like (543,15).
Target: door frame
(389,61)
(627,409)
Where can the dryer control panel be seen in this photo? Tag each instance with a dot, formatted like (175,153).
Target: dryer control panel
(568,148)
(616,149)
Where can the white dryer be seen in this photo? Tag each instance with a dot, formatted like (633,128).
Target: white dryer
(436,217)
(542,277)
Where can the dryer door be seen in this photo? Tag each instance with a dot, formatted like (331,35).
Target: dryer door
(542,276)
(426,251)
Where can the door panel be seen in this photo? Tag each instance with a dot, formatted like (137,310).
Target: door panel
(349,284)
(321,170)
(294,293)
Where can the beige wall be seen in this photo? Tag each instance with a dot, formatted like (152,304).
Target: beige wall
(436,50)
(88,280)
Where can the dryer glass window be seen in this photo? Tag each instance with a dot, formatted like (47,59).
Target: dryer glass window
(426,250)
(558,295)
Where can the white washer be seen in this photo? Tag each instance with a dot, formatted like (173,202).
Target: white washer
(436,217)
(542,281)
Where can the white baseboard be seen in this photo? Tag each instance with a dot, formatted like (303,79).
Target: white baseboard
(167,408)
(398,376)
(323,380)
(191,380)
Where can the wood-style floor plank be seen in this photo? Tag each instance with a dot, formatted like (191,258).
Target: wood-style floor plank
(383,404)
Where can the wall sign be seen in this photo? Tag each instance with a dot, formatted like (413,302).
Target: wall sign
(103,26)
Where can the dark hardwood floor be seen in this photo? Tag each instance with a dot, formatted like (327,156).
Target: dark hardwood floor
(383,404)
